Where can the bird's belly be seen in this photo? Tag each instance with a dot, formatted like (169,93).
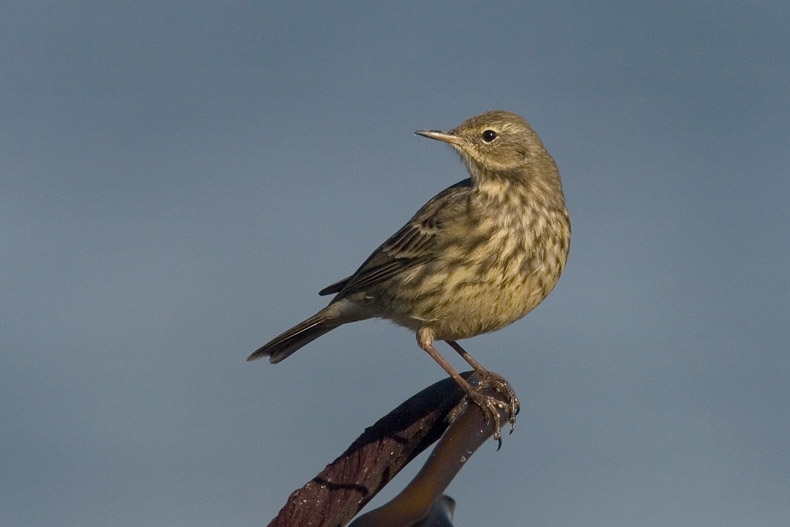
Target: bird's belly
(482,310)
(470,307)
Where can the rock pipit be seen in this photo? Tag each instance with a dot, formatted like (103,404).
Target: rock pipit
(475,258)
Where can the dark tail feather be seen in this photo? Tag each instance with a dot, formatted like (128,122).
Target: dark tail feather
(286,343)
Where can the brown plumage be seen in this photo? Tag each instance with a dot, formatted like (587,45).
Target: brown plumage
(475,258)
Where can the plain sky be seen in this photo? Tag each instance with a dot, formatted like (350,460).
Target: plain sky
(180,178)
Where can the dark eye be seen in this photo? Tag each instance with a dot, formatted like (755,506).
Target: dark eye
(489,135)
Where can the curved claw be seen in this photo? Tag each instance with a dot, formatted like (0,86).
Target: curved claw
(502,404)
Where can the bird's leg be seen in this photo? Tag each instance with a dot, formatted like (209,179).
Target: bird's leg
(497,382)
(490,405)
(468,358)
(435,355)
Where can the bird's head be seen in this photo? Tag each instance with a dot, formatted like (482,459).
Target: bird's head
(495,141)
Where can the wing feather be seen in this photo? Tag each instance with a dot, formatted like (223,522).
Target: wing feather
(412,245)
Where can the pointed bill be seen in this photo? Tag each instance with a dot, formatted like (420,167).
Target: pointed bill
(446,137)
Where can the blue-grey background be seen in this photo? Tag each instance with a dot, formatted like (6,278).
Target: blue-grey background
(179,179)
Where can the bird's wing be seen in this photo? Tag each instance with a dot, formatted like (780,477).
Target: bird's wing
(412,245)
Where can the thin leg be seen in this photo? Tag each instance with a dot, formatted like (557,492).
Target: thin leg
(468,358)
(448,368)
(488,404)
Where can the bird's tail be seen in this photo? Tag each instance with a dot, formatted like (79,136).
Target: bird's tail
(288,342)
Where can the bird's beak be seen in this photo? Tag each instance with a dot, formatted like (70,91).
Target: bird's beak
(445,137)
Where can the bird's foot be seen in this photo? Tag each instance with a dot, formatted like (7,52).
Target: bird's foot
(496,398)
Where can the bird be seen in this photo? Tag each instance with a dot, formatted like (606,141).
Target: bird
(475,258)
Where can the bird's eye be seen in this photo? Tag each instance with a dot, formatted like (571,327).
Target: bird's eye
(489,135)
